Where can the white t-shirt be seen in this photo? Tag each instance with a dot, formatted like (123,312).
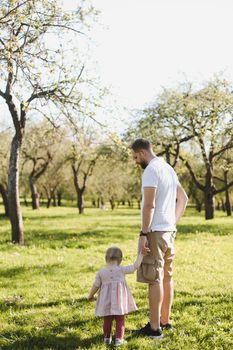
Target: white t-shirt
(161,175)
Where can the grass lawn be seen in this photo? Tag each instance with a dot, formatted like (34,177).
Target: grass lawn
(44,284)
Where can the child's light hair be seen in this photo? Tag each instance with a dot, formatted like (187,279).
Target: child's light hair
(113,254)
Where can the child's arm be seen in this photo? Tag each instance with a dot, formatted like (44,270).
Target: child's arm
(135,266)
(95,287)
(92,292)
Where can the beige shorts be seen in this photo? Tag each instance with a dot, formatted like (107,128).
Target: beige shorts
(158,264)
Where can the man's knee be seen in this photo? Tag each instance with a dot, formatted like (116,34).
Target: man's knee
(168,270)
(167,278)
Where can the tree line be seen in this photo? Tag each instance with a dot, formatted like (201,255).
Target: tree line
(51,98)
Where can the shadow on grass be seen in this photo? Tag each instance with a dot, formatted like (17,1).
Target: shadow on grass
(216,230)
(3,217)
(48,217)
(57,238)
(39,269)
(57,337)
(17,305)
(51,341)
(184,299)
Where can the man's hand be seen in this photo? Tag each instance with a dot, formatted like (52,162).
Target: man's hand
(143,245)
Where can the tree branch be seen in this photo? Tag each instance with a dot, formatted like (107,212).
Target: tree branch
(225,148)
(2,94)
(198,184)
(63,26)
(224,188)
(42,94)
(15,8)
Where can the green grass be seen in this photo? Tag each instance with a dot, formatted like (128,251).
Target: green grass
(44,284)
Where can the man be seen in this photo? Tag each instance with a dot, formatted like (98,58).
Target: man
(163,203)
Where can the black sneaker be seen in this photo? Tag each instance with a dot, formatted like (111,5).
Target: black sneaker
(149,332)
(166,327)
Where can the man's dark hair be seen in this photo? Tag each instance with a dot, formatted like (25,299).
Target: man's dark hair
(140,144)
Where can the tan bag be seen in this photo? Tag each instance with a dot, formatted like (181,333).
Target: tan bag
(149,269)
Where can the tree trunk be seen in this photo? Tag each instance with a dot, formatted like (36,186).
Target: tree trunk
(209,204)
(54,200)
(139,204)
(17,234)
(112,203)
(227,200)
(59,195)
(198,206)
(227,203)
(3,192)
(48,202)
(209,194)
(223,206)
(35,196)
(25,201)
(80,202)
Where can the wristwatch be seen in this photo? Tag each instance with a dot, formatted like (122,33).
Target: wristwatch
(142,233)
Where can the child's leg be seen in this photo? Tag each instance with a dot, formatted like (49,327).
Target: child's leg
(120,326)
(107,326)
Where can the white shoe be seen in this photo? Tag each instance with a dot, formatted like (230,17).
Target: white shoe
(108,341)
(119,342)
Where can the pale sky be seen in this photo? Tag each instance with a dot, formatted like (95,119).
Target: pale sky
(143,45)
(147,44)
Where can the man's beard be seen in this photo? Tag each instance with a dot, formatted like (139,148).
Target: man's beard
(143,164)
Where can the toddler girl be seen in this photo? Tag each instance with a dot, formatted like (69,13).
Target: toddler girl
(114,299)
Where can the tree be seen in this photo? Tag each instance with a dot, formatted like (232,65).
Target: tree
(40,144)
(82,155)
(114,178)
(226,172)
(57,178)
(205,117)
(36,74)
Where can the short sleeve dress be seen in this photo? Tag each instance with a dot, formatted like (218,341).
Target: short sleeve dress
(114,296)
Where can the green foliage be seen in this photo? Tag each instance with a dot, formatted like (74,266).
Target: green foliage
(44,284)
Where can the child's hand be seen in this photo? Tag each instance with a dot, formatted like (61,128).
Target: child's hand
(145,251)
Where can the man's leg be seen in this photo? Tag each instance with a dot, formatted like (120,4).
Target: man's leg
(155,303)
(168,286)
(168,292)
(158,247)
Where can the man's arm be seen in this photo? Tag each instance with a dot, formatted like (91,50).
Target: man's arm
(148,207)
(149,194)
(181,202)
